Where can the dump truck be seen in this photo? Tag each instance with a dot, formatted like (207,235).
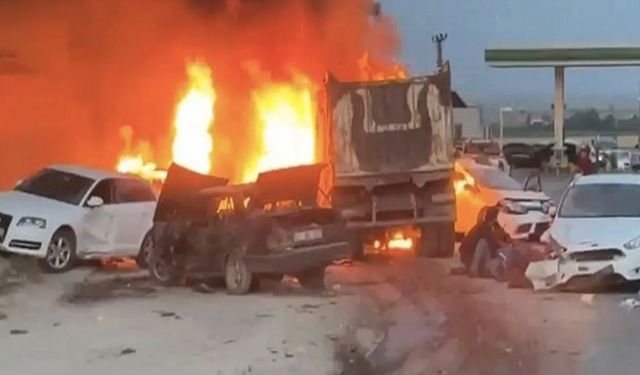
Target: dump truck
(390,148)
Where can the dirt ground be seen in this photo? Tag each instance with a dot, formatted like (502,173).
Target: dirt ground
(397,316)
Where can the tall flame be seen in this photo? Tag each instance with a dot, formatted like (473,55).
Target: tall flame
(194,117)
(285,115)
(135,158)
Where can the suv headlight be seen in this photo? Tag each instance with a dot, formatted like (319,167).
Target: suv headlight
(632,244)
(30,221)
(512,207)
(549,207)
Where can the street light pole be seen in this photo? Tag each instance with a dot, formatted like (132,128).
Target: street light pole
(502,111)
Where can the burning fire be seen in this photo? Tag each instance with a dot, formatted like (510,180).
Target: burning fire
(135,161)
(193,143)
(399,241)
(285,115)
(462,180)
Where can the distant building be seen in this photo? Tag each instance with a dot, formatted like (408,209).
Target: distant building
(467,120)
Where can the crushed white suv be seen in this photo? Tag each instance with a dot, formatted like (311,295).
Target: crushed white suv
(596,231)
(66,213)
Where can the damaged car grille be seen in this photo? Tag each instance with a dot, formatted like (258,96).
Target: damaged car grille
(540,229)
(595,255)
(5,220)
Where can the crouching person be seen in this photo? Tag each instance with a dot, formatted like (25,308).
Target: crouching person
(484,249)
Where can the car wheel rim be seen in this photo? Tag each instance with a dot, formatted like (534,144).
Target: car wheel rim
(59,253)
(161,269)
(146,249)
(235,273)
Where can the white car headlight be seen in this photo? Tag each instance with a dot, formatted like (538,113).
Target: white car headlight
(632,244)
(30,221)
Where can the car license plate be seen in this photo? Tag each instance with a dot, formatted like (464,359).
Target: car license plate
(308,235)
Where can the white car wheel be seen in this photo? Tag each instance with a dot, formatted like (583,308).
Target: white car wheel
(61,252)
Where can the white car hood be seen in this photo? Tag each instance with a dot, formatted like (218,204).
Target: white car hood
(576,234)
(16,203)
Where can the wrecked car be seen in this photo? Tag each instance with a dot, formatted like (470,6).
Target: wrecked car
(524,208)
(595,234)
(205,228)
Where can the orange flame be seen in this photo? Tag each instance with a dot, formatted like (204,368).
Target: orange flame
(193,143)
(285,114)
(136,161)
(462,180)
(400,242)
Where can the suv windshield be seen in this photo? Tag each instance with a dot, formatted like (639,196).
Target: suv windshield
(494,179)
(57,185)
(601,200)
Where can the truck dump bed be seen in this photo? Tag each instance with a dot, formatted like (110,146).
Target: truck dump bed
(390,127)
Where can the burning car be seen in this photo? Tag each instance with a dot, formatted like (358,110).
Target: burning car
(204,227)
(66,213)
(524,208)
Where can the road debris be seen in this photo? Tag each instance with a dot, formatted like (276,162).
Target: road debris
(3,315)
(168,314)
(587,298)
(203,288)
(127,351)
(630,303)
(97,291)
(18,332)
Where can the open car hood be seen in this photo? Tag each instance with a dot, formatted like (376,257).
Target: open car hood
(296,183)
(522,155)
(179,187)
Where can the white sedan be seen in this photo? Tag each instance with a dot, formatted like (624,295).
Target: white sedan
(597,229)
(524,210)
(66,213)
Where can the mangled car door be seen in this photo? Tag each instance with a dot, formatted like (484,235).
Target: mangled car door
(99,225)
(179,187)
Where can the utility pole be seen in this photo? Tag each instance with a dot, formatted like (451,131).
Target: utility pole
(438,39)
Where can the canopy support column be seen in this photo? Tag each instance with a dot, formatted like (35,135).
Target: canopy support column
(558,120)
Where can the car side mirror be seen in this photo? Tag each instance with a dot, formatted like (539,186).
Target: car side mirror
(94,202)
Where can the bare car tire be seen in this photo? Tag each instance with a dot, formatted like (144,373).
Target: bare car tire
(237,276)
(357,245)
(61,252)
(142,259)
(161,269)
(312,279)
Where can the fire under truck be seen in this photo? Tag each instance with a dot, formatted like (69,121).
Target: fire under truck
(389,145)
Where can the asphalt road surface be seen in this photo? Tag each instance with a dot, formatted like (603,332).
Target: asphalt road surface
(391,315)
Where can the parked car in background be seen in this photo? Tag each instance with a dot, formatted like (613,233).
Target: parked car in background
(65,213)
(596,232)
(524,208)
(617,159)
(243,233)
(485,150)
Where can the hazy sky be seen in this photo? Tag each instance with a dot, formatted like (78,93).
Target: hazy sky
(473,25)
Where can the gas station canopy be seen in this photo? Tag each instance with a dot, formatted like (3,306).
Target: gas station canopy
(562,56)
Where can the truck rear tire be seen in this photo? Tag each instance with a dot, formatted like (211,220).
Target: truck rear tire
(357,245)
(437,240)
